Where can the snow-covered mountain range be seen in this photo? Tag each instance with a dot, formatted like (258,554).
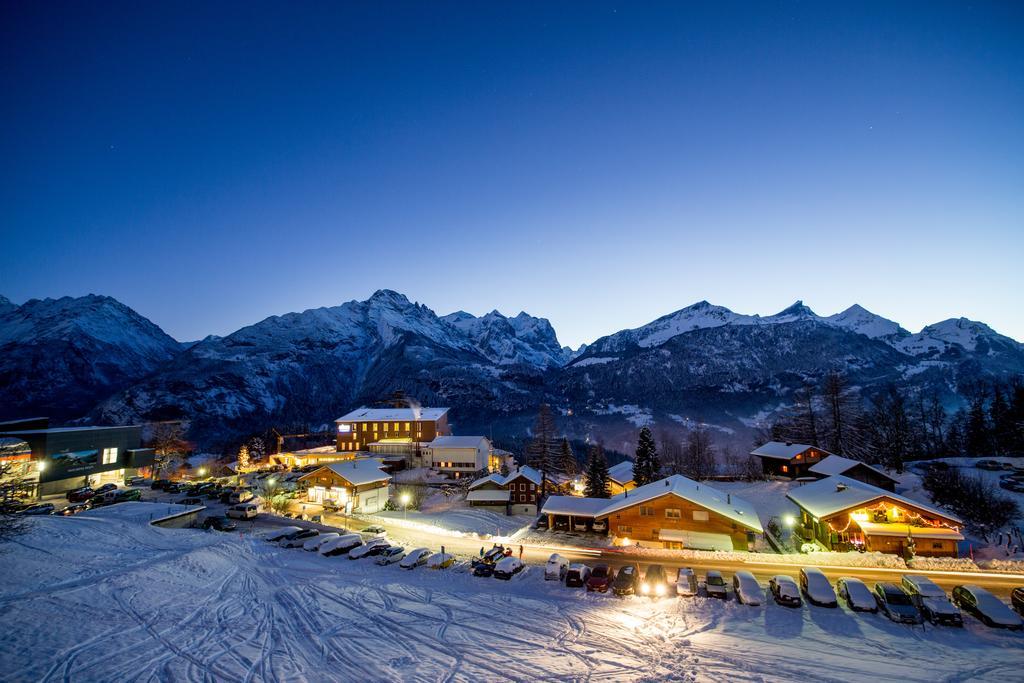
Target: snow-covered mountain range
(94,356)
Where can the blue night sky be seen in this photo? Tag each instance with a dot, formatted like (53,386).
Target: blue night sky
(600,165)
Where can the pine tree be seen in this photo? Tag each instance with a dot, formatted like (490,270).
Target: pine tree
(568,459)
(977,436)
(596,476)
(543,452)
(646,466)
(1002,427)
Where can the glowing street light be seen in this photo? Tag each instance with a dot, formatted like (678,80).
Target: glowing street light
(41,465)
(404,498)
(202,472)
(789,521)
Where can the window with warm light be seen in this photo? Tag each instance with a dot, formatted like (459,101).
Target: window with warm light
(109,456)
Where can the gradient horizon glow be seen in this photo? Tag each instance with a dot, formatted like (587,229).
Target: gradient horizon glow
(598,164)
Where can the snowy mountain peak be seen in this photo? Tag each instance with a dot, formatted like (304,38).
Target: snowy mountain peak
(858,319)
(6,304)
(796,311)
(507,341)
(696,316)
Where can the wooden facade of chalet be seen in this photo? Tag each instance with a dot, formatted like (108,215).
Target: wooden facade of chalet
(648,521)
(789,460)
(325,484)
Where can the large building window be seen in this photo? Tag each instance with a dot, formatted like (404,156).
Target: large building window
(700,515)
(646,511)
(109,456)
(672,513)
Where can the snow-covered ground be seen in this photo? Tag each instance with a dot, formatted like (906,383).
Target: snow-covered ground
(100,597)
(460,520)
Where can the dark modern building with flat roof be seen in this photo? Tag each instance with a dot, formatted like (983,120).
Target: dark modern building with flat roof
(53,460)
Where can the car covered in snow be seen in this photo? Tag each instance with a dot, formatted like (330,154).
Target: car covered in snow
(391,554)
(989,609)
(990,465)
(748,590)
(243,511)
(38,509)
(715,585)
(627,579)
(508,567)
(857,595)
(577,576)
(314,543)
(341,545)
(373,532)
(298,539)
(239,496)
(894,603)
(784,591)
(556,568)
(686,582)
(440,561)
(655,582)
(277,534)
(414,558)
(372,547)
(600,578)
(931,600)
(816,586)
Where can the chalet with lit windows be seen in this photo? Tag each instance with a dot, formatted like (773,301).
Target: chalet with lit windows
(620,478)
(518,493)
(355,486)
(836,465)
(790,460)
(402,431)
(458,456)
(674,512)
(844,514)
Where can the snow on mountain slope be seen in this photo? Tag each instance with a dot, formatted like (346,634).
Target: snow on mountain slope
(506,341)
(698,316)
(60,356)
(6,305)
(857,319)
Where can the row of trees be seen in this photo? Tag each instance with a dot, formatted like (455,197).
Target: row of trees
(896,426)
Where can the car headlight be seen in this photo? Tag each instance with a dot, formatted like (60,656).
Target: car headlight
(660,589)
(645,588)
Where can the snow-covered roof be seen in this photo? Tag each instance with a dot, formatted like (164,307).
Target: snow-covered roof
(702,495)
(574,505)
(355,472)
(826,497)
(457,442)
(621,473)
(393,414)
(832,465)
(782,450)
(493,478)
(525,471)
(488,496)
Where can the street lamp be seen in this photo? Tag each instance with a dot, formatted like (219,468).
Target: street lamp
(201,472)
(789,521)
(404,498)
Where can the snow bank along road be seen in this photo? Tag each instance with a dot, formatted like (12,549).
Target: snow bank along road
(102,598)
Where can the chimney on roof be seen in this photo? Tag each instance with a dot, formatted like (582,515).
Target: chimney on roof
(666,482)
(840,487)
(789,443)
(728,498)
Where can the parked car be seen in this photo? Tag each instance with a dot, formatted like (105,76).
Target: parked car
(107,497)
(1012,484)
(373,546)
(341,545)
(577,576)
(415,558)
(1017,600)
(990,465)
(483,569)
(159,484)
(686,582)
(989,609)
(105,488)
(931,600)
(38,509)
(298,538)
(600,578)
(275,535)
(72,509)
(857,595)
(172,487)
(579,525)
(490,557)
(748,590)
(556,568)
(391,554)
(124,495)
(191,500)
(785,591)
(135,481)
(654,583)
(215,492)
(815,585)
(508,567)
(80,495)
(600,526)
(542,523)
(313,544)
(444,560)
(219,523)
(894,603)
(240,496)
(373,531)
(626,580)
(243,511)
(715,585)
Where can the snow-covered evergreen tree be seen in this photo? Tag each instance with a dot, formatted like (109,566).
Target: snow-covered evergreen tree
(646,465)
(596,476)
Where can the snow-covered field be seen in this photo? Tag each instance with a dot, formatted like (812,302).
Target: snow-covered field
(100,597)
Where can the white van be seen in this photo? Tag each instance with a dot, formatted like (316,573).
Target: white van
(243,511)
(240,496)
(556,568)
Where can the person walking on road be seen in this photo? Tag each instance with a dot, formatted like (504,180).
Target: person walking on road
(520,553)
(481,551)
